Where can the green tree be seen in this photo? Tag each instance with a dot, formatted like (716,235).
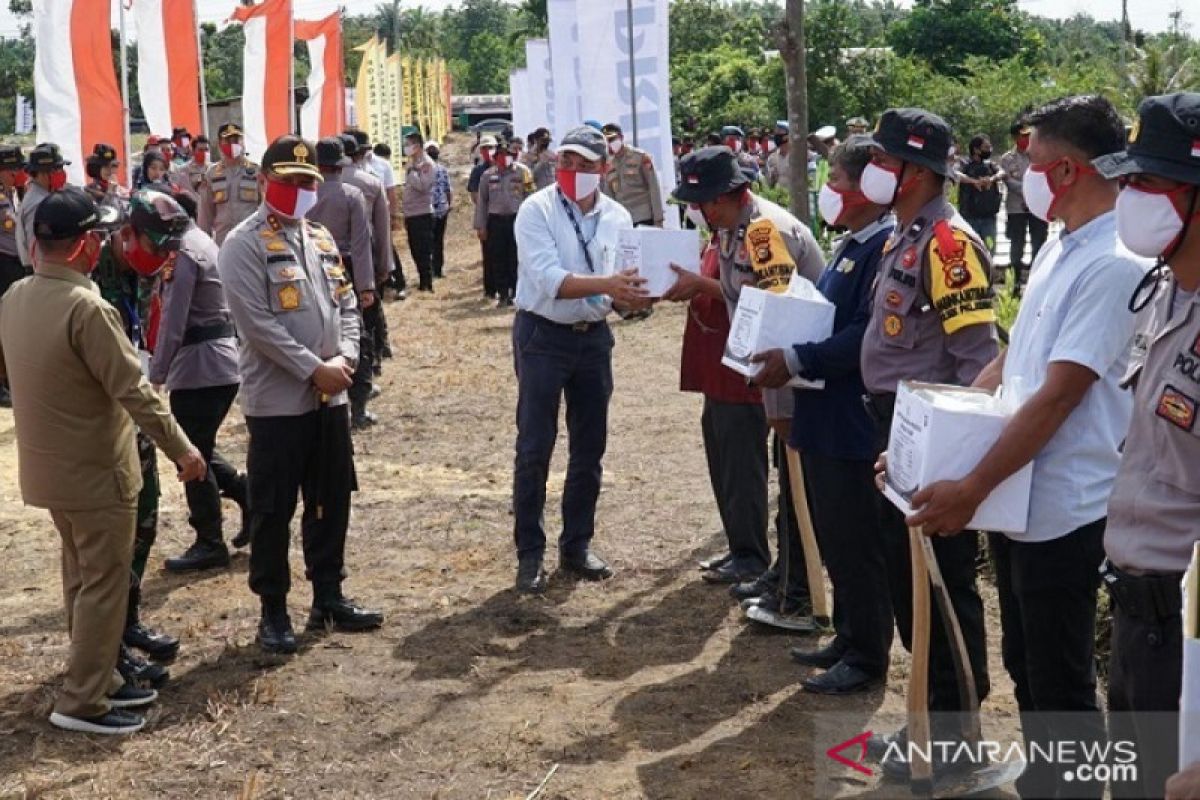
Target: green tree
(487,65)
(945,33)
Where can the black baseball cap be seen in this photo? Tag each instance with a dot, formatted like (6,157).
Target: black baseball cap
(45,156)
(229,129)
(331,152)
(104,154)
(708,173)
(585,141)
(1165,140)
(68,214)
(917,136)
(349,144)
(10,157)
(160,217)
(291,155)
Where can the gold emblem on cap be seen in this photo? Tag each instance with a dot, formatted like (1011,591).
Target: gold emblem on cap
(300,151)
(1135,130)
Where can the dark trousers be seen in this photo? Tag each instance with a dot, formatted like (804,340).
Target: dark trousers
(790,567)
(439,243)
(735,443)
(311,454)
(501,245)
(1145,678)
(489,278)
(200,413)
(420,245)
(398,280)
(957,557)
(843,501)
(360,390)
(1015,228)
(1047,593)
(11,271)
(553,362)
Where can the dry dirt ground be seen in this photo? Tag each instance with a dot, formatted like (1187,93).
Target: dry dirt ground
(647,686)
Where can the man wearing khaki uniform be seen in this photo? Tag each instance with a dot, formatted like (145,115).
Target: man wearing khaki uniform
(76,382)
(631,180)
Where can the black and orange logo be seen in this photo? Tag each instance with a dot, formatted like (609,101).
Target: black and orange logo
(1177,408)
(956,273)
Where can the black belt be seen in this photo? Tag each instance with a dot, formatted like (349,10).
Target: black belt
(206,333)
(1150,598)
(574,327)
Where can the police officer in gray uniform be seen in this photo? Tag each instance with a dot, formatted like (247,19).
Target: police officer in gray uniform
(298,328)
(340,210)
(229,192)
(102,167)
(196,358)
(1154,509)
(11,269)
(502,189)
(375,203)
(931,320)
(631,179)
(46,174)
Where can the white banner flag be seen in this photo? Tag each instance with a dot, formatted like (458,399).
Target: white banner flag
(24,122)
(522,112)
(642,107)
(541,86)
(564,66)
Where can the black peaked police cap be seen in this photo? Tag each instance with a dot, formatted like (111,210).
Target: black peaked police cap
(915,135)
(1164,141)
(708,173)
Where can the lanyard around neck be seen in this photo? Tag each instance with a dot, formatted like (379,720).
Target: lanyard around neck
(578,231)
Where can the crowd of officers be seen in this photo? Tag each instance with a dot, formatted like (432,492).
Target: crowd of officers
(211,281)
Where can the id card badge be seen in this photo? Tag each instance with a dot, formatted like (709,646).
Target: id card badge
(144,358)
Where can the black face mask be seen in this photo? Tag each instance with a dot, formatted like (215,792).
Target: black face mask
(985,154)
(780,140)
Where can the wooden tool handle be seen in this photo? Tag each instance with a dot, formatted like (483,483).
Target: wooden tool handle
(963,671)
(808,537)
(920,769)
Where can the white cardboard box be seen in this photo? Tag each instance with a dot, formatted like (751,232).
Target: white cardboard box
(941,433)
(652,251)
(767,320)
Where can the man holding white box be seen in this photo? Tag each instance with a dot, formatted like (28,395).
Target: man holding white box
(760,245)
(1069,350)
(931,320)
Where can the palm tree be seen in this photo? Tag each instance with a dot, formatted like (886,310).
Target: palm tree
(1156,70)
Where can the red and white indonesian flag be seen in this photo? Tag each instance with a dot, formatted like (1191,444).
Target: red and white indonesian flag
(266,75)
(168,65)
(74,82)
(324,112)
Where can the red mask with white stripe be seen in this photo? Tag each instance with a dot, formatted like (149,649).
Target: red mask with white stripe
(577,185)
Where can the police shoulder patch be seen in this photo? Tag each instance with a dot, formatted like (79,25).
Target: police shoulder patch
(769,257)
(958,279)
(1176,408)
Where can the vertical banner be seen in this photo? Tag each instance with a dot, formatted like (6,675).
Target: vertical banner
(168,65)
(74,83)
(522,113)
(406,82)
(541,85)
(564,67)
(391,98)
(24,121)
(323,113)
(267,73)
(448,95)
(643,103)
(362,86)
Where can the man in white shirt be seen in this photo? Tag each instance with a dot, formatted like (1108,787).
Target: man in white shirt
(562,347)
(1070,346)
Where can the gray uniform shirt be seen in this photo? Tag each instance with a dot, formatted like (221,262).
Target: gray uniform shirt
(931,316)
(8,225)
(188,175)
(192,298)
(632,182)
(778,169)
(419,178)
(768,245)
(375,203)
(341,210)
(294,308)
(1154,508)
(542,163)
(34,195)
(228,195)
(1014,163)
(502,193)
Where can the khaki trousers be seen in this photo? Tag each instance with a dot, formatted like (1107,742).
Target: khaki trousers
(96,558)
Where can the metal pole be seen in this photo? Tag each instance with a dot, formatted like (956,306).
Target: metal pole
(203,87)
(632,71)
(399,144)
(125,98)
(292,69)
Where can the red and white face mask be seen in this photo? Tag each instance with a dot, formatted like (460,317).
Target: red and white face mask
(577,185)
(58,179)
(231,150)
(200,157)
(143,262)
(734,143)
(288,199)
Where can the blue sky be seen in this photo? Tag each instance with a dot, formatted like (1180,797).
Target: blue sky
(1148,15)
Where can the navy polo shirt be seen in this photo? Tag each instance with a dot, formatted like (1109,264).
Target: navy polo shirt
(832,422)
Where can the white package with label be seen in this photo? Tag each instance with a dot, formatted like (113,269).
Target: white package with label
(941,433)
(766,320)
(652,251)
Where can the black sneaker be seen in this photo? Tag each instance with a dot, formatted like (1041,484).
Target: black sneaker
(138,671)
(201,555)
(115,722)
(155,644)
(130,696)
(343,615)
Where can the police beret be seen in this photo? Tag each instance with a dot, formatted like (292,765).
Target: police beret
(291,155)
(1165,140)
(915,135)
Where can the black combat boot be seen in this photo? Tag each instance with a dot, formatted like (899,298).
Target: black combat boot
(333,609)
(157,645)
(275,633)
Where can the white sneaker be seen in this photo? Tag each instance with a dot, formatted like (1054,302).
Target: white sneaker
(115,722)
